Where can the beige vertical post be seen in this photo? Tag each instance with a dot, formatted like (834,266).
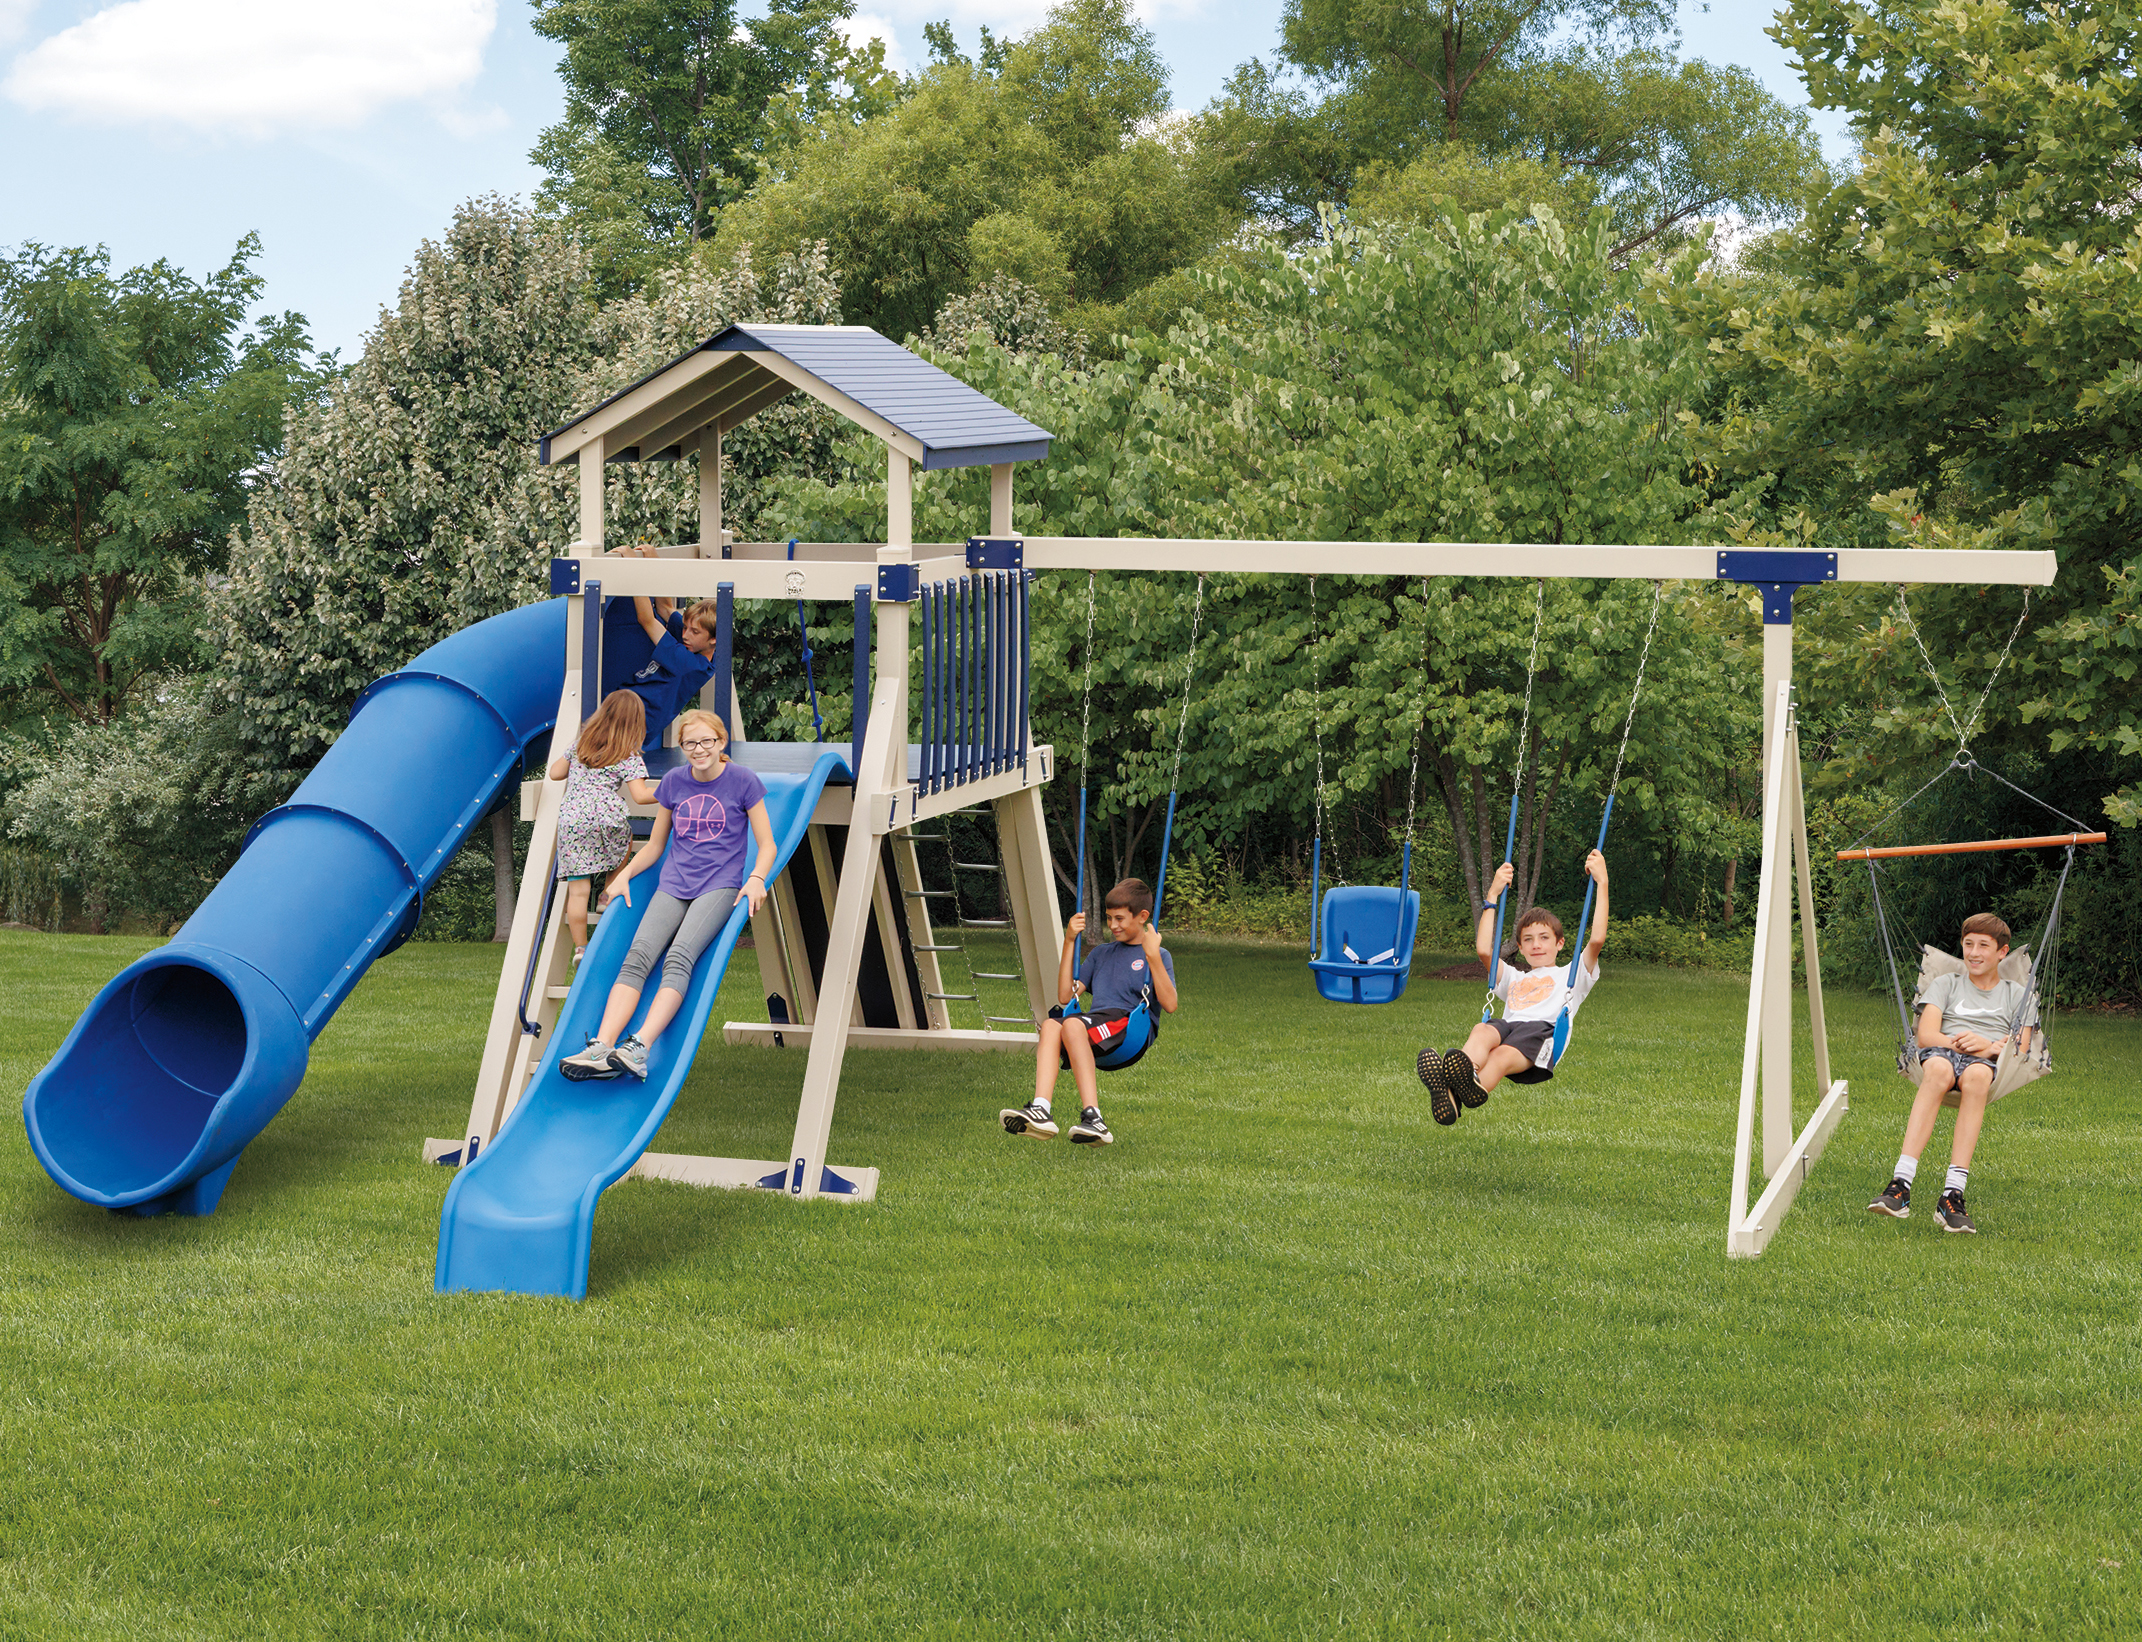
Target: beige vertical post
(1000,499)
(921,928)
(1030,888)
(591,495)
(1777,964)
(883,772)
(710,493)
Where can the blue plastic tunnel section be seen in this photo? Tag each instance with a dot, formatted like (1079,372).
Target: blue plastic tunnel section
(521,1217)
(190,1051)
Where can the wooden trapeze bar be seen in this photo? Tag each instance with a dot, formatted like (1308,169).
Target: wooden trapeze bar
(2054,840)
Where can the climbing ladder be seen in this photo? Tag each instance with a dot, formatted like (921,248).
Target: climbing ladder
(921,923)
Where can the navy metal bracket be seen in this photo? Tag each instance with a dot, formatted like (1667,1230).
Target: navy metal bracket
(996,553)
(899,584)
(564,577)
(1780,573)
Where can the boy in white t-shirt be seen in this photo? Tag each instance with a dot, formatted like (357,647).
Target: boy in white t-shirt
(1965,1021)
(1520,1046)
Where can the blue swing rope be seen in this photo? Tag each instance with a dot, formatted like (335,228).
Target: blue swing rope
(1591,884)
(1517,792)
(803,627)
(1182,730)
(1085,759)
(1316,726)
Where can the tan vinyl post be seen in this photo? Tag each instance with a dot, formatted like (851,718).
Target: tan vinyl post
(1000,499)
(1777,963)
(710,493)
(591,496)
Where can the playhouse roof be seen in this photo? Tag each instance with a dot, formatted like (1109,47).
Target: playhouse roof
(935,419)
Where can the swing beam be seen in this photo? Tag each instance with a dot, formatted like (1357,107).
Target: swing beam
(2055,840)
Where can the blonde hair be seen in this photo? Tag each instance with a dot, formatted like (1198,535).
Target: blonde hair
(615,732)
(707,614)
(699,715)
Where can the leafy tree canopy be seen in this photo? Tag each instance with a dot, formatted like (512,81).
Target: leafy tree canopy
(676,108)
(1043,160)
(1944,353)
(135,412)
(1386,105)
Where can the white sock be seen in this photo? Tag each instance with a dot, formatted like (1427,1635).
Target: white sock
(1907,1169)
(1042,1101)
(1958,1179)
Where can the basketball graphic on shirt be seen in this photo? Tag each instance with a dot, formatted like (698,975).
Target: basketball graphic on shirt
(1534,986)
(700,818)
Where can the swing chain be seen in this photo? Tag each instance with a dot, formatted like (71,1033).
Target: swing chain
(1963,731)
(1085,734)
(1182,728)
(1420,717)
(1316,725)
(1658,594)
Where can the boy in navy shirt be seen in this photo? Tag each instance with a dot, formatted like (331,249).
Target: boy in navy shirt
(660,654)
(1128,970)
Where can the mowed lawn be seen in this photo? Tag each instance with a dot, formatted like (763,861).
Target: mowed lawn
(1288,1360)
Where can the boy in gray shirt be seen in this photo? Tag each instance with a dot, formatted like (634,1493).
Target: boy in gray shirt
(1965,1021)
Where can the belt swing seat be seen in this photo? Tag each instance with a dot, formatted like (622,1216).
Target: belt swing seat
(1120,1040)
(1559,1039)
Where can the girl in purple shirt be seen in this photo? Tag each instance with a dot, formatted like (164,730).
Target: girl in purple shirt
(709,808)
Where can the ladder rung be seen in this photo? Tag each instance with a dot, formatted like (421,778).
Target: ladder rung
(557,992)
(977,866)
(929,838)
(953,997)
(990,975)
(1010,1020)
(940,949)
(926,894)
(985,923)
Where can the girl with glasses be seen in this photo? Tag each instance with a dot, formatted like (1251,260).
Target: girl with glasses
(703,815)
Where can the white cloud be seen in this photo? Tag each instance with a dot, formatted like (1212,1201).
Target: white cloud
(253,67)
(14,18)
(866,26)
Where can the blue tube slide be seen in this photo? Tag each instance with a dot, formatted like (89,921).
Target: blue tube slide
(188,1053)
(521,1217)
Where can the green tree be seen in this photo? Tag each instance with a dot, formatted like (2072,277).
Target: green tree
(1571,103)
(1943,353)
(1043,162)
(1483,379)
(673,109)
(136,412)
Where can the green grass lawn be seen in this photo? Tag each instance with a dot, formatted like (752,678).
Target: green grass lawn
(1288,1360)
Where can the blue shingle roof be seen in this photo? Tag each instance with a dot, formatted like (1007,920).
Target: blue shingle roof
(955,425)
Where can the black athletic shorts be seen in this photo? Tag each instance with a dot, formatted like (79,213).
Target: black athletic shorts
(1528,1038)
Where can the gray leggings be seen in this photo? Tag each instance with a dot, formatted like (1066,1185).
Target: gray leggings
(687,928)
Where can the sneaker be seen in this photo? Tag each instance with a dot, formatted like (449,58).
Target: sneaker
(1949,1208)
(1464,1079)
(579,952)
(1442,1106)
(1030,1119)
(591,1062)
(1090,1130)
(1895,1200)
(630,1055)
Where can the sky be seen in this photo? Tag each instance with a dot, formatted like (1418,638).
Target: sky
(346,133)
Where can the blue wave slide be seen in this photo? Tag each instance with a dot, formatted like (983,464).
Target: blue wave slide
(521,1217)
(190,1051)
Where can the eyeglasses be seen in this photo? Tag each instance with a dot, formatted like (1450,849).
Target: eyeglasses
(701,745)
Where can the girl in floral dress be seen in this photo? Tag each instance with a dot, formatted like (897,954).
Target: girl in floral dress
(594,832)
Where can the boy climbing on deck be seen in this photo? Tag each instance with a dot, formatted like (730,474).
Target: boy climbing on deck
(1521,1045)
(661,654)
(1127,975)
(1964,1023)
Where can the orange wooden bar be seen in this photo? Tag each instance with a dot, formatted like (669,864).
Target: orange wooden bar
(2050,841)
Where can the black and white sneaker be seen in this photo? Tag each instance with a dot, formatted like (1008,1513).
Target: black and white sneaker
(1949,1208)
(1464,1079)
(1030,1119)
(1089,1130)
(1894,1201)
(591,1062)
(630,1055)
(1442,1105)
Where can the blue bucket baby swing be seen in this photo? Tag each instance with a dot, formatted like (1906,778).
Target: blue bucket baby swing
(1361,935)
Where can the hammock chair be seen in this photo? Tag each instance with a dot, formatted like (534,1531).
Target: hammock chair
(2033,962)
